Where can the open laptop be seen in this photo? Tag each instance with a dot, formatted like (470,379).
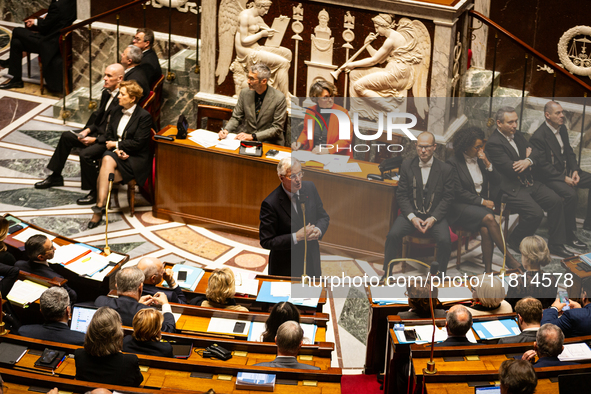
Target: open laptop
(81,316)
(487,389)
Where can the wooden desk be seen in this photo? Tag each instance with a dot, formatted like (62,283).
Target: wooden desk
(545,386)
(217,188)
(574,292)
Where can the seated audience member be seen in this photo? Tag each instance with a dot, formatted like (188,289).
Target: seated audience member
(55,390)
(548,345)
(220,291)
(101,360)
(488,298)
(576,321)
(289,340)
(128,146)
(129,282)
(517,377)
(154,272)
(534,255)
(326,136)
(6,257)
(261,108)
(39,249)
(131,59)
(472,209)
(8,272)
(146,335)
(457,322)
(144,40)
(55,308)
(529,315)
(418,300)
(281,312)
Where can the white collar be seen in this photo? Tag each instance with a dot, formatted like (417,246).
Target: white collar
(555,131)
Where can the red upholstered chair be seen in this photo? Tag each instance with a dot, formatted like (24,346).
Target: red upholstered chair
(157,104)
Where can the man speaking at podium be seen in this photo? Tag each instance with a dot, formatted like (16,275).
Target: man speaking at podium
(282,228)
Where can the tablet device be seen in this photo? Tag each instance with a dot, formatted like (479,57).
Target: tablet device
(81,317)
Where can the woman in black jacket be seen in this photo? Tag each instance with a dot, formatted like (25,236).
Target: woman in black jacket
(146,335)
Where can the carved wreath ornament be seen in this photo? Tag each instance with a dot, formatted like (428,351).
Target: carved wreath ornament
(575,58)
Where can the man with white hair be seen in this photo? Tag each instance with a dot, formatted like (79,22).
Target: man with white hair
(154,272)
(282,229)
(131,59)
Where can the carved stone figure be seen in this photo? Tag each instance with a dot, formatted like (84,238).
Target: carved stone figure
(242,28)
(407,54)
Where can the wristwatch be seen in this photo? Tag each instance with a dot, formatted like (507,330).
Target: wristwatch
(254,136)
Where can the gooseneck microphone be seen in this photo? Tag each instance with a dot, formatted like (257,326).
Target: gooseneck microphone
(301,204)
(504,199)
(107,250)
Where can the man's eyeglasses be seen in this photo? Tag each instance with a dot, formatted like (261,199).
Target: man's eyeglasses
(299,175)
(137,39)
(424,147)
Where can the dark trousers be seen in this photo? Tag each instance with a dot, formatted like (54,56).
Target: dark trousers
(9,276)
(530,203)
(570,200)
(88,157)
(23,40)
(403,227)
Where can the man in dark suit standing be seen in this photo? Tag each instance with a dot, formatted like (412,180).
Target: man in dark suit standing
(144,40)
(129,300)
(289,341)
(91,140)
(262,109)
(425,193)
(458,322)
(55,308)
(282,229)
(131,59)
(154,272)
(39,250)
(558,168)
(529,315)
(512,156)
(548,345)
(45,42)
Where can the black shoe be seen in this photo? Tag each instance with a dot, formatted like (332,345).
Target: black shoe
(13,85)
(50,181)
(4,63)
(92,224)
(560,250)
(89,199)
(577,243)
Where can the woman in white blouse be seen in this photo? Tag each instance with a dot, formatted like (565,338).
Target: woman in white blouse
(473,206)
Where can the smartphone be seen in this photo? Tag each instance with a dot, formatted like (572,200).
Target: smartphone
(563,297)
(272,152)
(182,276)
(410,335)
(239,327)
(49,356)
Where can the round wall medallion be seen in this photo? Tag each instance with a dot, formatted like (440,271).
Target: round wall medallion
(574,50)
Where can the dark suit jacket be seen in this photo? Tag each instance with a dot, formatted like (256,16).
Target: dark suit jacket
(573,323)
(524,336)
(455,341)
(465,191)
(97,123)
(42,270)
(286,362)
(502,156)
(139,75)
(415,315)
(439,189)
(269,126)
(278,222)
(536,286)
(151,66)
(53,331)
(174,295)
(135,141)
(551,362)
(118,368)
(60,14)
(553,165)
(152,348)
(127,307)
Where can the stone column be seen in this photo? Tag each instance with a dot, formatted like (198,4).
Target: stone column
(480,35)
(207,55)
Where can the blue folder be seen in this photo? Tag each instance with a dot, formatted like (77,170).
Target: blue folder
(483,333)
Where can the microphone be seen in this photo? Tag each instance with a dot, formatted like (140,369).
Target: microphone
(107,250)
(301,204)
(504,199)
(431,370)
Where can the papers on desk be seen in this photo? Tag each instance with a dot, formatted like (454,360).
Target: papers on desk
(255,381)
(68,253)
(257,328)
(575,352)
(305,155)
(281,289)
(336,166)
(194,275)
(89,264)
(229,143)
(496,328)
(29,232)
(25,292)
(205,138)
(228,326)
(586,258)
(274,292)
(385,295)
(247,286)
(280,155)
(425,333)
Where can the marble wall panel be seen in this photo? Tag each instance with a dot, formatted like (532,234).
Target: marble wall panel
(480,41)
(17,10)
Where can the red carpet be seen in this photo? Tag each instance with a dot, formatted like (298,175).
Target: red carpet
(356,384)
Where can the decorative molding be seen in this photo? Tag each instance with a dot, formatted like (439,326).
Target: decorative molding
(180,5)
(575,62)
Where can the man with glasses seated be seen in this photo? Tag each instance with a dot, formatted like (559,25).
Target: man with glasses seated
(282,229)
(261,108)
(425,192)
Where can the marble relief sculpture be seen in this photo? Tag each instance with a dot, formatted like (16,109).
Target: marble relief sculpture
(572,50)
(406,53)
(320,64)
(241,28)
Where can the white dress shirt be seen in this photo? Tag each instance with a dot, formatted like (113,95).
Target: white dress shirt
(475,173)
(295,206)
(123,122)
(514,145)
(558,137)
(113,94)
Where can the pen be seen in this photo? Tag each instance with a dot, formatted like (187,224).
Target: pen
(60,363)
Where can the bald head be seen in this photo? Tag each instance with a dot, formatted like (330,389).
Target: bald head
(113,76)
(152,268)
(458,321)
(99,391)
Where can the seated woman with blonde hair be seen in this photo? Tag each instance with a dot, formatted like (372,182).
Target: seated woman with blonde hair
(146,335)
(220,291)
(488,298)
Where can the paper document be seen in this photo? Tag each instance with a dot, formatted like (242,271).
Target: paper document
(340,167)
(247,286)
(228,326)
(68,253)
(205,138)
(309,333)
(88,264)
(257,328)
(281,289)
(29,232)
(575,352)
(26,292)
(115,257)
(280,155)
(305,296)
(229,143)
(280,26)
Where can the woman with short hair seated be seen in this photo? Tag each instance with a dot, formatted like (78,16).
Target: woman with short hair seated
(473,206)
(146,335)
(488,297)
(281,312)
(101,360)
(220,291)
(128,147)
(418,300)
(534,255)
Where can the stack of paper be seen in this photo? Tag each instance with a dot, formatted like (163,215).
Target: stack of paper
(68,253)
(229,143)
(336,166)
(385,295)
(496,328)
(425,333)
(27,233)
(205,138)
(280,155)
(25,292)
(247,286)
(228,326)
(194,275)
(89,264)
(575,352)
